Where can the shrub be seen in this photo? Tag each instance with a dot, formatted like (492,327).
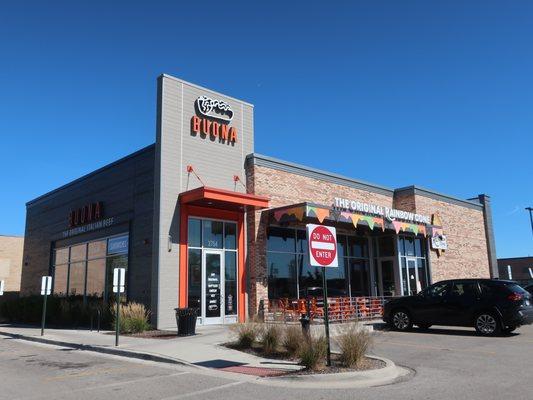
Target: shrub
(292,339)
(271,339)
(354,343)
(312,353)
(70,312)
(246,334)
(133,318)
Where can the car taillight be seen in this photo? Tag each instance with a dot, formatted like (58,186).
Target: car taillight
(515,297)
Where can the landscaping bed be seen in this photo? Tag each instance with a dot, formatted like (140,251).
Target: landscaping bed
(337,366)
(151,334)
(290,343)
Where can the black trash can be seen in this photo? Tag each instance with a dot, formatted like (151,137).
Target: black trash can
(186,320)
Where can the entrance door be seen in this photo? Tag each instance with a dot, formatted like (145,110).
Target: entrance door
(410,278)
(213,287)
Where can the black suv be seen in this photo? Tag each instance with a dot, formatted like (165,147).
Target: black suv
(490,306)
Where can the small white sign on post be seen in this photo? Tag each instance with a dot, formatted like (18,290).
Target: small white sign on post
(119,280)
(46,285)
(1,288)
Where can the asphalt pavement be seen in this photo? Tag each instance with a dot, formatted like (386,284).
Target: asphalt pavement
(446,363)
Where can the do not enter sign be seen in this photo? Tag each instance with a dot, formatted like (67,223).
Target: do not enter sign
(322,246)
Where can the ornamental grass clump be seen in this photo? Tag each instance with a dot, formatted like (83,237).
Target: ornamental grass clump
(312,353)
(354,342)
(133,318)
(271,339)
(246,334)
(293,339)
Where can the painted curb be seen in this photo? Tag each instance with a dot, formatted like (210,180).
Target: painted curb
(99,349)
(343,380)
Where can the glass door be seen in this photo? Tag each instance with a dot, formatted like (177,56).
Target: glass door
(410,278)
(213,287)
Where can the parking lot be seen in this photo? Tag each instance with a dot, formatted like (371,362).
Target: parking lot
(446,363)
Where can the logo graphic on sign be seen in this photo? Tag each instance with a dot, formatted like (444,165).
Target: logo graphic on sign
(322,246)
(217,109)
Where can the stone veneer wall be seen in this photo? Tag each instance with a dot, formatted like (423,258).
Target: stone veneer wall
(464,228)
(284,188)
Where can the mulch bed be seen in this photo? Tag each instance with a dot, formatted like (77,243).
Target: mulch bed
(336,366)
(153,334)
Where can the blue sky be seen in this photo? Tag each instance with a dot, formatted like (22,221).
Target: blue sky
(437,94)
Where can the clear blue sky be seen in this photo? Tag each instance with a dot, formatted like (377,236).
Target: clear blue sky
(437,94)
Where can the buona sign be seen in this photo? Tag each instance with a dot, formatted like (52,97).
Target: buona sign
(214,119)
(84,215)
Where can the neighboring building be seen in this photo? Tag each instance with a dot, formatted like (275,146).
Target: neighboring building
(516,268)
(199,219)
(11,248)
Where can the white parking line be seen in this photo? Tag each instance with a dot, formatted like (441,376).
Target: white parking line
(213,389)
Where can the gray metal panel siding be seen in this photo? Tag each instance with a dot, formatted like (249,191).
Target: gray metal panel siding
(214,162)
(126,190)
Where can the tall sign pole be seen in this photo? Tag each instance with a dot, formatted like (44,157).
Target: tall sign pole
(46,289)
(322,242)
(530,209)
(119,277)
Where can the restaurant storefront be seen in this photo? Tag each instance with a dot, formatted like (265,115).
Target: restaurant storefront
(199,219)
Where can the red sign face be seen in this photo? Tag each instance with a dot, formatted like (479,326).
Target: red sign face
(322,246)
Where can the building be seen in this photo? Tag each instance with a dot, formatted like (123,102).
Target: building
(199,219)
(516,268)
(11,264)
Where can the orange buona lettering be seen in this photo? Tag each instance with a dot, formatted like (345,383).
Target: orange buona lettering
(216,130)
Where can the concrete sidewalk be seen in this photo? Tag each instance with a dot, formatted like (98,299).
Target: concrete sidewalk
(203,350)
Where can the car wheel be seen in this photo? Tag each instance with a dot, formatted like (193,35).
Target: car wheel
(487,324)
(424,326)
(401,320)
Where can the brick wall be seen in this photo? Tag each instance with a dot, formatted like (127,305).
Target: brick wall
(285,188)
(464,229)
(466,257)
(11,248)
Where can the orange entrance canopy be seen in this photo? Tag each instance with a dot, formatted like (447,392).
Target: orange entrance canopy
(223,199)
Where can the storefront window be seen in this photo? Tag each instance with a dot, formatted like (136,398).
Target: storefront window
(195,278)
(195,232)
(60,279)
(281,239)
(96,277)
(230,282)
(230,236)
(290,266)
(212,233)
(310,277)
(359,278)
(87,269)
(386,246)
(282,276)
(77,279)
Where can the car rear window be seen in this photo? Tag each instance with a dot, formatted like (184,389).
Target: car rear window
(499,286)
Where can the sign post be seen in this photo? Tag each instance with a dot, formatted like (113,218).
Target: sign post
(119,278)
(46,289)
(322,242)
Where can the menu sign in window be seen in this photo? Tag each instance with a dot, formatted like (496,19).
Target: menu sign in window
(212,269)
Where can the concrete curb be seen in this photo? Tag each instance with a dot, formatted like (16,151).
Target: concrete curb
(356,379)
(99,349)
